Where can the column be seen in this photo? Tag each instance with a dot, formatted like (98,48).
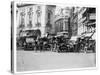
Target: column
(43,16)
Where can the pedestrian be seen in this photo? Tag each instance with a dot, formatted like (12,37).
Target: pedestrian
(85,48)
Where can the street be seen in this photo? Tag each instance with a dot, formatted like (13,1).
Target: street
(32,61)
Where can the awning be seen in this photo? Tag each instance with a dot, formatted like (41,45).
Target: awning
(91,23)
(89,34)
(74,38)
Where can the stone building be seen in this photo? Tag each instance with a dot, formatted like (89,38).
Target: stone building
(83,21)
(49,19)
(35,16)
(62,20)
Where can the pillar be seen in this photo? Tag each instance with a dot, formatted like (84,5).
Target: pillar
(43,23)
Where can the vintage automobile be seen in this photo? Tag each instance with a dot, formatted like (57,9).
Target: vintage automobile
(63,44)
(66,47)
(27,39)
(91,44)
(85,42)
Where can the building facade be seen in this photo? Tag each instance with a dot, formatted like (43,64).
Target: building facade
(62,20)
(73,21)
(81,25)
(86,21)
(34,16)
(83,20)
(49,19)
